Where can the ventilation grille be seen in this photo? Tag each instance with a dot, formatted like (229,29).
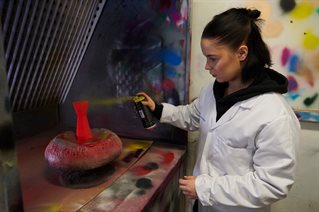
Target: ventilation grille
(44,42)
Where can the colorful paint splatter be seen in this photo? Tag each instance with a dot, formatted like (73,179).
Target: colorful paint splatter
(134,189)
(292,34)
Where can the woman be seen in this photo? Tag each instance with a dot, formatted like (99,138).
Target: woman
(248,133)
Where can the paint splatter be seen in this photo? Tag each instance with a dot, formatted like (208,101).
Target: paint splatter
(151,166)
(292,84)
(307,116)
(144,183)
(293,63)
(287,5)
(285,56)
(140,171)
(168,85)
(307,74)
(314,60)
(310,100)
(302,11)
(272,29)
(168,157)
(170,57)
(311,41)
(293,96)
(170,73)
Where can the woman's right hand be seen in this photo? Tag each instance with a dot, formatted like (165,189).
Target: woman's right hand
(149,102)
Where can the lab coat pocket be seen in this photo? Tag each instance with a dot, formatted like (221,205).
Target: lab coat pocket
(232,160)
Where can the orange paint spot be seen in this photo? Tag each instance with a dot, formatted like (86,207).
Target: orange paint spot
(272,29)
(315,61)
(306,74)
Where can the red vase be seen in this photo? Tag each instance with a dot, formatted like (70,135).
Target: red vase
(83,130)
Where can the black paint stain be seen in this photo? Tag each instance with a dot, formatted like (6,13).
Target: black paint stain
(287,5)
(129,157)
(6,136)
(79,178)
(310,100)
(151,166)
(144,183)
(141,192)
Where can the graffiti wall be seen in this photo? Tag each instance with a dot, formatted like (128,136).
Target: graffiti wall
(136,46)
(292,34)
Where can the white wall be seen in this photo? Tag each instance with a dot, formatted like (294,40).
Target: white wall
(304,195)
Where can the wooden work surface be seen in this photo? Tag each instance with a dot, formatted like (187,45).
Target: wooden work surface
(47,189)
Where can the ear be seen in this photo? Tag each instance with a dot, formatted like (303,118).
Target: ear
(242,52)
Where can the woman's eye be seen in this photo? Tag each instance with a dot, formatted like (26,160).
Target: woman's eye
(212,59)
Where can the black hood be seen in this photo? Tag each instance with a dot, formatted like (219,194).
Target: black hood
(268,81)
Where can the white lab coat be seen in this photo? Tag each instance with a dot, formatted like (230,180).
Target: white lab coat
(246,160)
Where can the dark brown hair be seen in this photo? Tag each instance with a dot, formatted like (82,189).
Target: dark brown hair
(238,26)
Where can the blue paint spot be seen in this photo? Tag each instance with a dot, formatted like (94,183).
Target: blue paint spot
(293,96)
(292,84)
(306,116)
(293,63)
(170,57)
(170,73)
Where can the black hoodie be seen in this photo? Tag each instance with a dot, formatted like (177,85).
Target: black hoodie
(268,81)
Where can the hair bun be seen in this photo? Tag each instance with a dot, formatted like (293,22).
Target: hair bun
(253,13)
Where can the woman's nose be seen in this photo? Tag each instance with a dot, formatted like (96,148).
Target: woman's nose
(207,66)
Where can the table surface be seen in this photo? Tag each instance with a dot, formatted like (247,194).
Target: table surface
(143,165)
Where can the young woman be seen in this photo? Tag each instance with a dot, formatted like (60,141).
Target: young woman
(248,133)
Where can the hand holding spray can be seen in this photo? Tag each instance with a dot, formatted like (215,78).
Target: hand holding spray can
(144,112)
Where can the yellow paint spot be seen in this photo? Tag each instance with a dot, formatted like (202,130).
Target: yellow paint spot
(302,10)
(311,41)
(138,145)
(48,208)
(111,101)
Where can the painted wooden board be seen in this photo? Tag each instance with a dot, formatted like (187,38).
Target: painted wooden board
(47,189)
(139,185)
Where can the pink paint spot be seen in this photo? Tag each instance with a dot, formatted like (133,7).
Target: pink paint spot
(292,84)
(168,157)
(140,170)
(168,85)
(176,19)
(285,56)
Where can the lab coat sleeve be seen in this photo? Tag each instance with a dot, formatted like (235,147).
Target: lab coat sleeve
(186,117)
(274,165)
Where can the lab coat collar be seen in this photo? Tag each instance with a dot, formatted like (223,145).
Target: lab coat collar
(239,106)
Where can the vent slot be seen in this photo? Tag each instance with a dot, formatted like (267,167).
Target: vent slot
(44,43)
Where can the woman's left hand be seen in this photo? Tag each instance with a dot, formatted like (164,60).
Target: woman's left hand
(187,185)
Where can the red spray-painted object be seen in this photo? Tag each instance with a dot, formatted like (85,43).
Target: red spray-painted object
(83,130)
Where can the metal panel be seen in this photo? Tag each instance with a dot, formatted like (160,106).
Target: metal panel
(10,195)
(44,43)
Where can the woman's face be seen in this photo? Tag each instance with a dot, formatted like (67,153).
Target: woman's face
(222,62)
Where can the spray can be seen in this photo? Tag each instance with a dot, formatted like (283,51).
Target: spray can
(144,112)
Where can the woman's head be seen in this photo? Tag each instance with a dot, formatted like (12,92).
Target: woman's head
(235,31)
